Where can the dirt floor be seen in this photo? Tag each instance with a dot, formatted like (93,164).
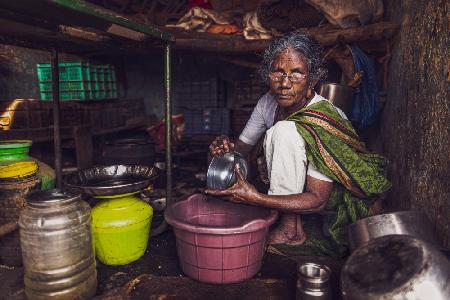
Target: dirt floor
(277,277)
(157,274)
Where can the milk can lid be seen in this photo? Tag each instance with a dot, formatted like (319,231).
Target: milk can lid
(52,196)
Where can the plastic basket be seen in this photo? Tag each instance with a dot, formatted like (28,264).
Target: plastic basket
(66,86)
(68,71)
(67,95)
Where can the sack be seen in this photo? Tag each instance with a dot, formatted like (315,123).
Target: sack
(350,13)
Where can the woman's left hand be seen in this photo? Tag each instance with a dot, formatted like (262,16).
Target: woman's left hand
(241,192)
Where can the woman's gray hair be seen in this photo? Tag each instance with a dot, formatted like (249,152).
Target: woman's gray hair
(305,45)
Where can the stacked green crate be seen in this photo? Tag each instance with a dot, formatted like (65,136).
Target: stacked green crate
(94,82)
(110,81)
(113,82)
(101,82)
(74,81)
(107,80)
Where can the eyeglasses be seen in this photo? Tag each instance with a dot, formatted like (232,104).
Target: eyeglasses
(294,77)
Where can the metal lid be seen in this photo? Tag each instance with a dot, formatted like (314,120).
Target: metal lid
(52,197)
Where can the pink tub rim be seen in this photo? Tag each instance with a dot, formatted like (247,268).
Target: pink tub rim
(244,227)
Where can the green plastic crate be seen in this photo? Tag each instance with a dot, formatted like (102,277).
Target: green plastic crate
(113,72)
(68,95)
(107,72)
(68,71)
(66,86)
(101,94)
(94,76)
(100,77)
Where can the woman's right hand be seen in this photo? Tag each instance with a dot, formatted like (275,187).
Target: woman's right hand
(220,146)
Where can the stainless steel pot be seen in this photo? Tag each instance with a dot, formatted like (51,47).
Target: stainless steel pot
(221,174)
(396,267)
(410,222)
(313,282)
(340,95)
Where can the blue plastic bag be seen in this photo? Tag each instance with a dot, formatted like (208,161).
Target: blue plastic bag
(366,104)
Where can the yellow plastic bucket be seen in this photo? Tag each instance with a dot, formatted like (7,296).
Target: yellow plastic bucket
(18,169)
(121,229)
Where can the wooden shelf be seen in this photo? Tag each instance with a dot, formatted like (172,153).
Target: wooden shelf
(74,26)
(326,36)
(45,134)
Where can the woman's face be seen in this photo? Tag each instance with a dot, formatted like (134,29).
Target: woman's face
(288,94)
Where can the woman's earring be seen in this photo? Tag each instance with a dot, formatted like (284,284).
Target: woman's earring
(309,93)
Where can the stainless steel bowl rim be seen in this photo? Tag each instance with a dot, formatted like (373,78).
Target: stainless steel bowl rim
(410,222)
(325,268)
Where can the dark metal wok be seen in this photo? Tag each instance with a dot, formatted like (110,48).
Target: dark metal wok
(112,180)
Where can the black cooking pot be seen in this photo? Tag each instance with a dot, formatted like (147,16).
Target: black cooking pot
(130,151)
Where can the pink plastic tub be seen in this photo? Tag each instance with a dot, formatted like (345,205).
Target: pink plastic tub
(219,241)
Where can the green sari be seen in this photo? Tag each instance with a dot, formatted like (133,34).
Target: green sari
(336,151)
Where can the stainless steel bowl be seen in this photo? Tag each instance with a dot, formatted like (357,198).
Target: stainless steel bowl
(112,180)
(410,222)
(396,267)
(221,173)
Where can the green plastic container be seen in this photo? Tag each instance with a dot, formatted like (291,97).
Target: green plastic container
(68,71)
(113,73)
(67,95)
(15,163)
(121,229)
(66,86)
(14,160)
(79,81)
(75,81)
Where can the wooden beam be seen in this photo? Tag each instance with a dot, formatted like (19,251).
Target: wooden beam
(326,36)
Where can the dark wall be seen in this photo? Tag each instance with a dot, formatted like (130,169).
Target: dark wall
(140,76)
(18,77)
(416,119)
(145,75)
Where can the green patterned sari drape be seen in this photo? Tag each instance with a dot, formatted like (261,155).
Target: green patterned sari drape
(336,151)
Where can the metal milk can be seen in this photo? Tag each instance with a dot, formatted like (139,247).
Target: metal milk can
(56,242)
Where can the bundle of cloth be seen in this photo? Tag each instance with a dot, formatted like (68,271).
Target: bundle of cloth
(253,29)
(286,15)
(350,13)
(206,20)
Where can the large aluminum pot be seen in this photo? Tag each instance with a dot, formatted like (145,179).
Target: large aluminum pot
(340,95)
(396,267)
(410,222)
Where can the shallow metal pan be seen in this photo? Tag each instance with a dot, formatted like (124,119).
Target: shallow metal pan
(112,180)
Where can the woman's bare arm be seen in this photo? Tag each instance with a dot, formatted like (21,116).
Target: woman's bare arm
(312,200)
